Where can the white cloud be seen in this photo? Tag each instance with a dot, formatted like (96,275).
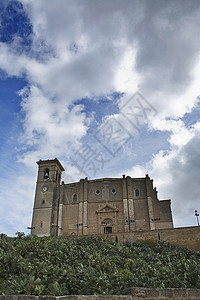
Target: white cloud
(119,47)
(49,126)
(180,135)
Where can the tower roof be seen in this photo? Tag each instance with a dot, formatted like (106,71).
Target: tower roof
(49,161)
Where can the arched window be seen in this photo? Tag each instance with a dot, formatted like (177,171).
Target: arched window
(137,193)
(46,173)
(74,198)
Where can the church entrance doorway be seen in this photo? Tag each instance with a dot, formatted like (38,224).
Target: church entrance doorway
(107,230)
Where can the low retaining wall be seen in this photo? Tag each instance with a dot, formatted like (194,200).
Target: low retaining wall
(187,237)
(165,294)
(135,294)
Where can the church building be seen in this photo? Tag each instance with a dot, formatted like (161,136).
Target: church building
(94,207)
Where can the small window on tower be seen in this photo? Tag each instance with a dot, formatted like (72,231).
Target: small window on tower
(46,173)
(74,197)
(137,193)
(59,178)
(41,225)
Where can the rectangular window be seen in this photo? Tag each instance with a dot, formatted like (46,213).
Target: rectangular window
(107,229)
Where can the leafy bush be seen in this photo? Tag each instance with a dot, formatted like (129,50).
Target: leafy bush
(61,266)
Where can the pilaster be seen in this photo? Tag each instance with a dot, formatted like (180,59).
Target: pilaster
(80,207)
(60,219)
(85,208)
(130,204)
(125,205)
(149,188)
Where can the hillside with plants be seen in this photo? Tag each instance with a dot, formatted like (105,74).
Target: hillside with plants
(61,266)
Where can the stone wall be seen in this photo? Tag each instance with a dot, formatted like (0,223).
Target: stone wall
(135,294)
(126,204)
(187,237)
(164,294)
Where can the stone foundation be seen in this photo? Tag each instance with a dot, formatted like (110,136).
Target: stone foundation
(164,294)
(187,237)
(135,294)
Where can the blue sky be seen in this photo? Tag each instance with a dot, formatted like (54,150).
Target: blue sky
(71,73)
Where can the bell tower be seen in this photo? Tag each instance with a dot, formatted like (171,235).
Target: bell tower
(45,211)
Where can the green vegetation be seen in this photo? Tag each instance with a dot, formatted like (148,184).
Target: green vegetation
(61,266)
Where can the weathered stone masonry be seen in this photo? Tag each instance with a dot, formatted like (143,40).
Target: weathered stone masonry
(135,294)
(100,206)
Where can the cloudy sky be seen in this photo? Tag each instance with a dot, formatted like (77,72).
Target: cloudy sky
(109,88)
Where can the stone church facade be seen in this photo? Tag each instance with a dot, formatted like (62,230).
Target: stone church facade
(99,206)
